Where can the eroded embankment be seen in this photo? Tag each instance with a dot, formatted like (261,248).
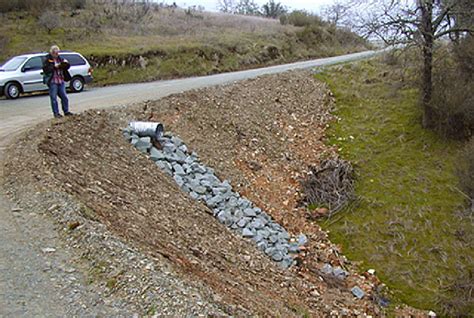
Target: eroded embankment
(260,134)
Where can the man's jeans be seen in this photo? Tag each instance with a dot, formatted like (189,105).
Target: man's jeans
(54,91)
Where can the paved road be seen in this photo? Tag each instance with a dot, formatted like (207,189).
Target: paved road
(15,115)
(26,288)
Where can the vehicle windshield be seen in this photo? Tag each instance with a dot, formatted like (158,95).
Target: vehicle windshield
(12,64)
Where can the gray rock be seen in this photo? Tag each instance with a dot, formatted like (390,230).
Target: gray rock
(249,212)
(199,189)
(282,247)
(269,251)
(302,239)
(273,238)
(277,256)
(257,238)
(257,224)
(176,141)
(127,134)
(262,245)
(143,144)
(294,248)
(210,170)
(243,222)
(178,180)
(142,149)
(164,165)
(169,148)
(171,157)
(214,201)
(206,184)
(233,202)
(156,154)
(183,148)
(283,235)
(339,272)
(226,184)
(356,291)
(217,190)
(286,262)
(181,155)
(275,226)
(198,176)
(247,232)
(189,160)
(238,214)
(264,233)
(198,168)
(178,169)
(225,218)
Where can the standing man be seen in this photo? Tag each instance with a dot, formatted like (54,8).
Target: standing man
(55,74)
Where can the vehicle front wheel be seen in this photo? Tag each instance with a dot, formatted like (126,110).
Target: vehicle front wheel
(77,84)
(12,90)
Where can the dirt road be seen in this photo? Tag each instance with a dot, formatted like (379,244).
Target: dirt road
(33,263)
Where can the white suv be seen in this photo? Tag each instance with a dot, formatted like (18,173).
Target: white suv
(24,74)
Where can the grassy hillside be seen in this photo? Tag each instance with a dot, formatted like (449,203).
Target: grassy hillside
(130,43)
(409,223)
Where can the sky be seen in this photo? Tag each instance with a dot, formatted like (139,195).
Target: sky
(309,5)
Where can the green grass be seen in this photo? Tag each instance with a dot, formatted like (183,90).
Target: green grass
(405,223)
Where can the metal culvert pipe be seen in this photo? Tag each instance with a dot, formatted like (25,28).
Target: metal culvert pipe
(147,129)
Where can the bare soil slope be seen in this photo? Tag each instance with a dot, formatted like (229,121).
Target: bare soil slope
(260,134)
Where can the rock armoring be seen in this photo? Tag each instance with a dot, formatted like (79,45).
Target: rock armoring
(173,157)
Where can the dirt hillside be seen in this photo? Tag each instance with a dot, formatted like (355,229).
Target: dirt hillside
(260,134)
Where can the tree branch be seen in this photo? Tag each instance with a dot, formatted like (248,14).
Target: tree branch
(449,31)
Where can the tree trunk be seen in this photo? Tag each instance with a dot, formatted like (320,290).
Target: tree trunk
(427,31)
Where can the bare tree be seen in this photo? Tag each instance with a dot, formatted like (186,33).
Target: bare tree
(418,23)
(273,9)
(247,7)
(227,6)
(337,13)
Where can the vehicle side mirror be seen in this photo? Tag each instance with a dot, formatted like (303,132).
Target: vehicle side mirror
(25,69)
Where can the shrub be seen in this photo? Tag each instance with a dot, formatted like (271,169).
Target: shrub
(38,6)
(452,101)
(8,5)
(49,20)
(75,4)
(301,18)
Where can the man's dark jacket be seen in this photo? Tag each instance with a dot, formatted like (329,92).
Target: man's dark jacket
(48,69)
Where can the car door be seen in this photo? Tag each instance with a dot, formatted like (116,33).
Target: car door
(32,77)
